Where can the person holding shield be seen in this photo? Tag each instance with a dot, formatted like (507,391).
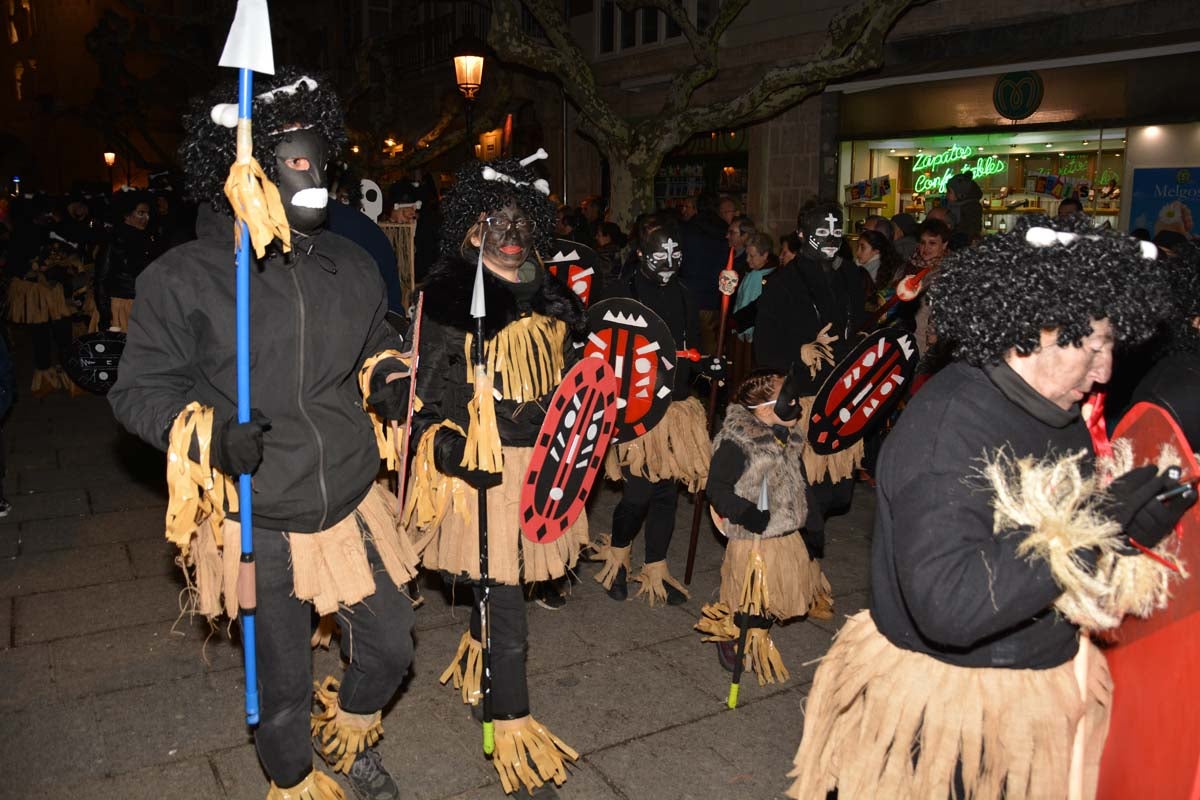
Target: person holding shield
(327,376)
(474,434)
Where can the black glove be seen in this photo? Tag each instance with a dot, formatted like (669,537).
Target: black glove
(390,400)
(237,448)
(1145,519)
(754,520)
(713,367)
(449,447)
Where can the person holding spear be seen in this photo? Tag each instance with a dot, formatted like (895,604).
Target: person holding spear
(498,336)
(674,450)
(316,343)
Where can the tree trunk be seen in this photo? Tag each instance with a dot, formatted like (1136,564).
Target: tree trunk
(632,176)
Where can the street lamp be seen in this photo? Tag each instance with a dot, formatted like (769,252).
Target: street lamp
(110,158)
(469,53)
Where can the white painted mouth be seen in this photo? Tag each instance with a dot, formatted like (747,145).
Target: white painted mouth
(316,197)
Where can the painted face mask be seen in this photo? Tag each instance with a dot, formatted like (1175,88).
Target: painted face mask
(823,231)
(662,255)
(787,404)
(302,186)
(509,237)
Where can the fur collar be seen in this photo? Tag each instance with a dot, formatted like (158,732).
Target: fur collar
(448,299)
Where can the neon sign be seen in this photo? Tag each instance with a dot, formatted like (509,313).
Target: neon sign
(983,167)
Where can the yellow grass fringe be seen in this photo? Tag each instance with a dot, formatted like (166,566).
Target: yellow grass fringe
(528,754)
(1064,509)
(677,448)
(794,581)
(431,492)
(327,626)
(613,559)
(34,299)
(341,736)
(198,491)
(385,439)
(654,578)
(527,354)
(255,201)
(482,451)
(48,380)
(466,668)
(833,468)
(717,623)
(317,786)
(884,722)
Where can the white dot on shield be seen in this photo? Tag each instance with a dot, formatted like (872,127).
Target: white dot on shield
(569,419)
(642,365)
(556,494)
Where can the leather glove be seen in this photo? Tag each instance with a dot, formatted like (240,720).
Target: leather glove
(754,520)
(237,448)
(1145,519)
(389,398)
(449,448)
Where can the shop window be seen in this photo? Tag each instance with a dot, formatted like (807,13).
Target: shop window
(649,26)
(628,29)
(618,30)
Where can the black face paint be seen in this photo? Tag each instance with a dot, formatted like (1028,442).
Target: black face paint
(662,255)
(304,191)
(822,227)
(509,237)
(787,404)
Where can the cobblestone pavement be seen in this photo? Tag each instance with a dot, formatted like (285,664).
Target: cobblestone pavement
(109,694)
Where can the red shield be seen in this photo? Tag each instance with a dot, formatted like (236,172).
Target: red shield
(1155,662)
(575,265)
(639,347)
(862,390)
(569,450)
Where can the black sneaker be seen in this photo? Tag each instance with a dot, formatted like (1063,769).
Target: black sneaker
(5,507)
(548,596)
(369,779)
(675,597)
(620,589)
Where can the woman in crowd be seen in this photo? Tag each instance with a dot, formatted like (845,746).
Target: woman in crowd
(760,262)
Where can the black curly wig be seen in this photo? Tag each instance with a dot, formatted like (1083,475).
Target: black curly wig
(209,149)
(1002,293)
(1183,275)
(473,194)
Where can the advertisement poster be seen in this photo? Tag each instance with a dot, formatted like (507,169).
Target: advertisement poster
(1166,199)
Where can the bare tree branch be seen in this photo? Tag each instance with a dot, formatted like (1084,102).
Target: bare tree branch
(443,137)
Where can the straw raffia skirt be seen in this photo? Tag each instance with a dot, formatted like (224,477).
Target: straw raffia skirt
(677,448)
(884,722)
(794,581)
(835,467)
(121,308)
(453,546)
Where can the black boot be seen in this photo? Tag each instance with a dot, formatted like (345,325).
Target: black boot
(619,590)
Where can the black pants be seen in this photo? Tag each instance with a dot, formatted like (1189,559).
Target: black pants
(47,337)
(833,498)
(376,636)
(651,502)
(510,632)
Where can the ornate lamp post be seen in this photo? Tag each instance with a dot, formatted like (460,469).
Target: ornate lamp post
(469,53)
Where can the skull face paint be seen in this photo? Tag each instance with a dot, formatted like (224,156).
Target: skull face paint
(300,160)
(822,227)
(509,237)
(662,255)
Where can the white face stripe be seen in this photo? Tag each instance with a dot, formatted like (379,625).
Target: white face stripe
(669,245)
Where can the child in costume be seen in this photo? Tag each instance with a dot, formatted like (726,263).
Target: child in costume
(768,571)
(326,377)
(998,545)
(470,438)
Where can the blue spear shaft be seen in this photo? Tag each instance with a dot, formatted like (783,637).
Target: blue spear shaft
(245,497)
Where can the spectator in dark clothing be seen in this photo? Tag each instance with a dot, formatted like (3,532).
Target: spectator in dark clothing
(609,241)
(904,235)
(962,197)
(355,226)
(121,261)
(705,254)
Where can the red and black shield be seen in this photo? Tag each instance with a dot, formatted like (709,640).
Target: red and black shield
(862,390)
(575,265)
(639,347)
(569,451)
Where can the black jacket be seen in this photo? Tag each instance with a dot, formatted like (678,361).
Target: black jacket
(797,301)
(118,266)
(675,304)
(705,254)
(313,323)
(442,371)
(942,582)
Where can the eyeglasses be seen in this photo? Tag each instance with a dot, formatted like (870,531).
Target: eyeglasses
(500,225)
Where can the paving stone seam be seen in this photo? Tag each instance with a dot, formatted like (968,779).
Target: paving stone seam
(603,777)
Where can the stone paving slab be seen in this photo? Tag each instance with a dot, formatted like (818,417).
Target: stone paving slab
(52,744)
(64,569)
(6,626)
(26,670)
(82,531)
(127,496)
(193,779)
(47,505)
(109,606)
(152,557)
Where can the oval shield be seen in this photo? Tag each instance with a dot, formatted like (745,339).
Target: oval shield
(569,451)
(639,347)
(862,390)
(92,360)
(575,265)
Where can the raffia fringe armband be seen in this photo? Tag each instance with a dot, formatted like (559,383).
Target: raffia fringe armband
(1064,511)
(528,753)
(255,200)
(199,492)
(385,439)
(317,786)
(431,491)
(466,669)
(341,735)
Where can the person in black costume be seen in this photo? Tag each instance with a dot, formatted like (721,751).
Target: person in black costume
(811,311)
(121,260)
(676,449)
(997,539)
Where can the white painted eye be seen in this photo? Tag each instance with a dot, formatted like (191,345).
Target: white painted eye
(822,232)
(837,231)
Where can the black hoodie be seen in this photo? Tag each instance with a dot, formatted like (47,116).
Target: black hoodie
(313,324)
